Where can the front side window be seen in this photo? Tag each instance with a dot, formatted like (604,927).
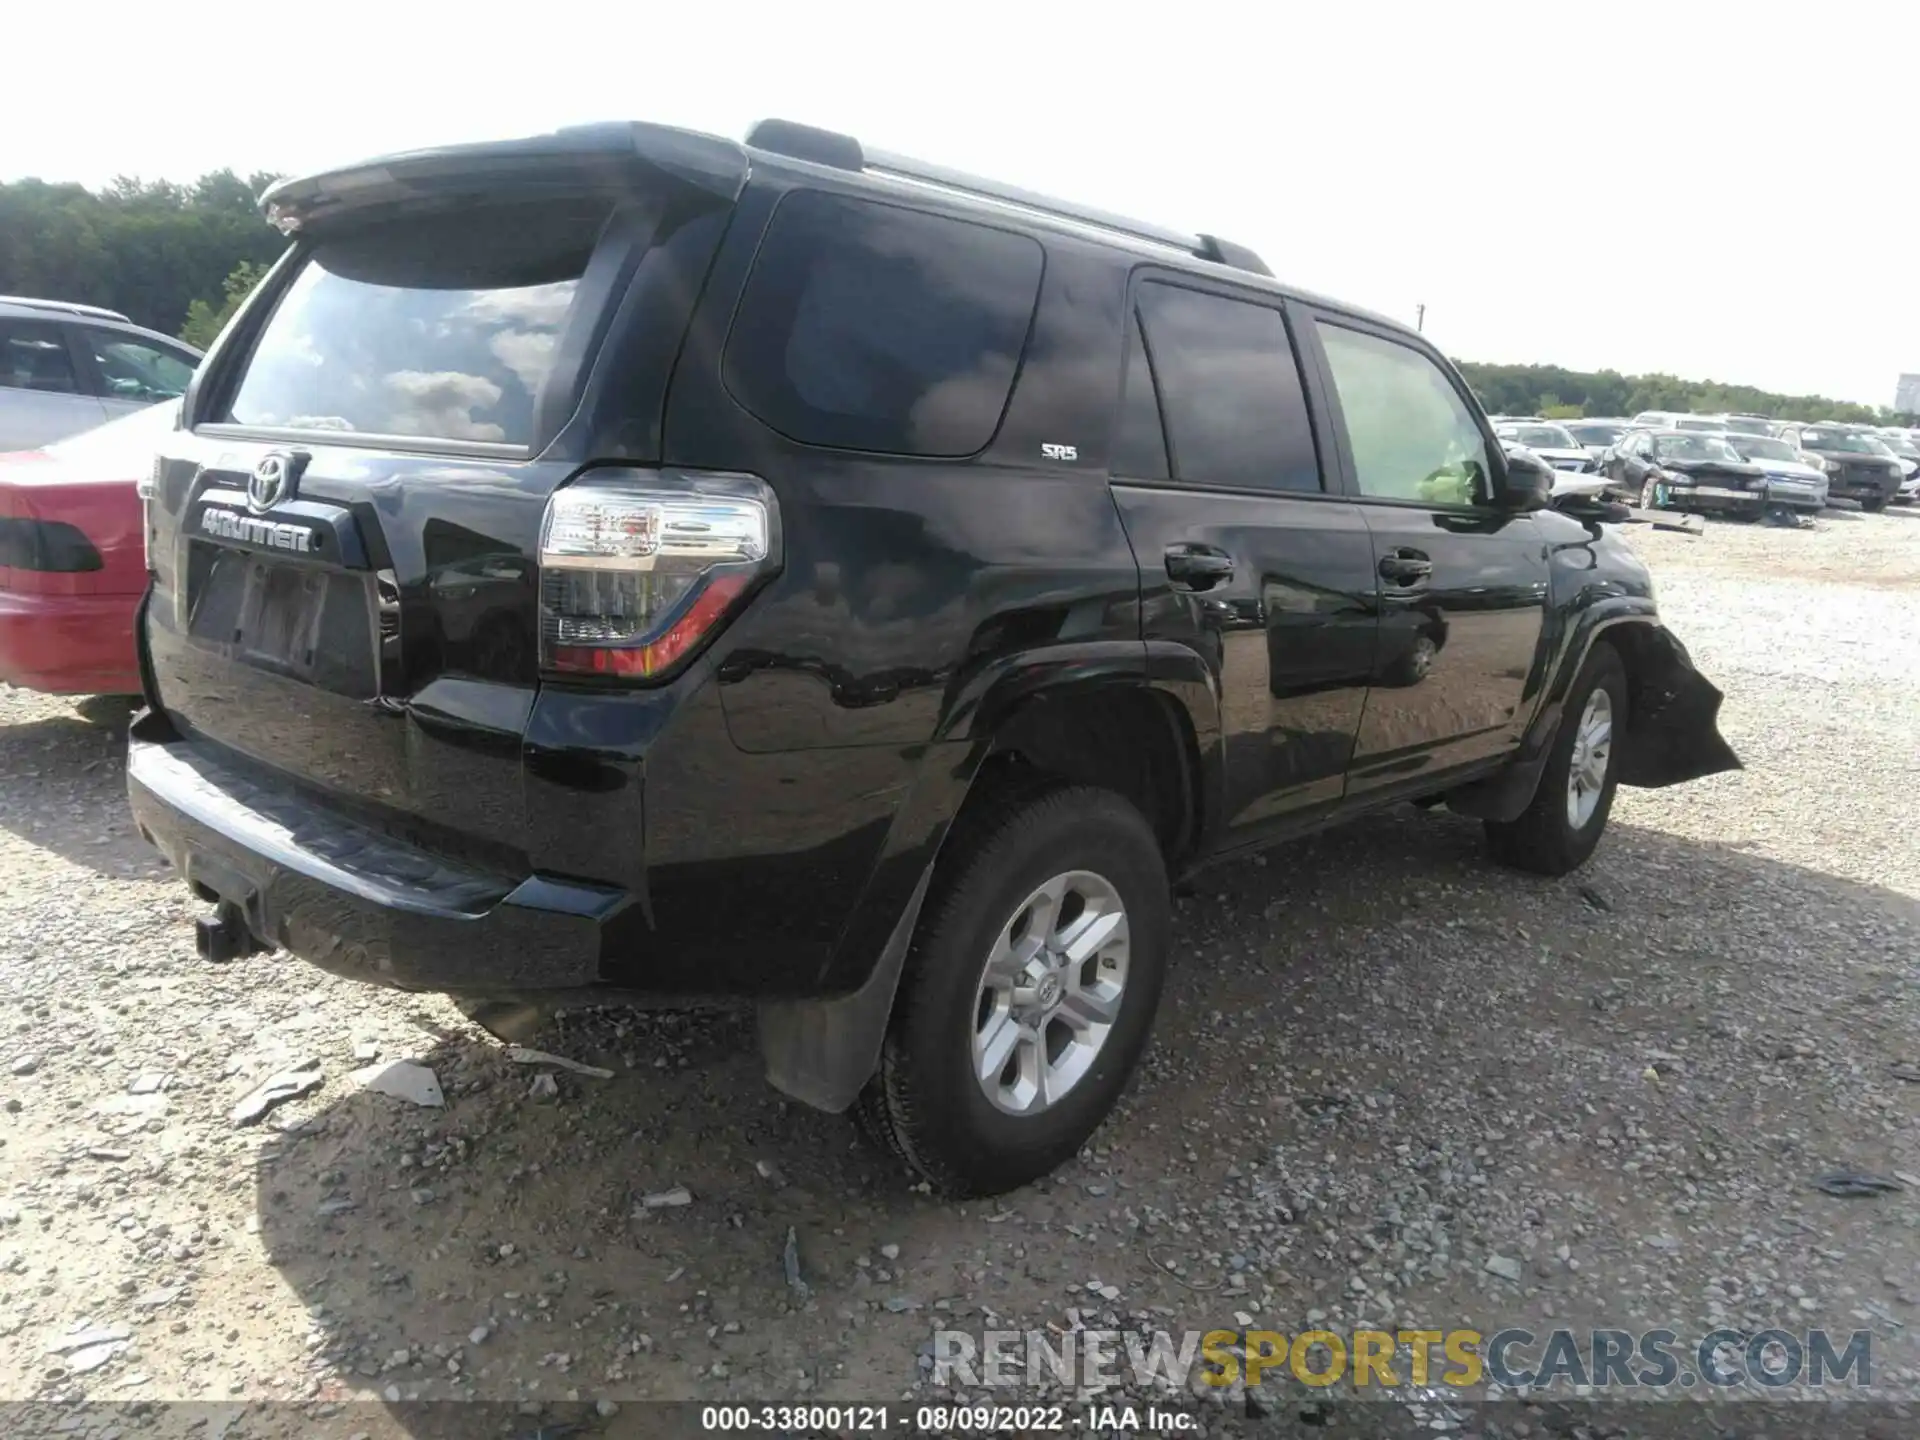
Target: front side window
(871,327)
(134,370)
(33,356)
(1412,436)
(442,326)
(1236,413)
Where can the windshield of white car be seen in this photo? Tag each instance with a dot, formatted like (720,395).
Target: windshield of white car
(1596,434)
(1761,447)
(1901,446)
(1541,437)
(1694,447)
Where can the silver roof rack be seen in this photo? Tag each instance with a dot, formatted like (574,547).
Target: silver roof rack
(65,307)
(827,147)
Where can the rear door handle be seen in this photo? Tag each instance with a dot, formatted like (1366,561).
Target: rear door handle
(1405,567)
(1198,567)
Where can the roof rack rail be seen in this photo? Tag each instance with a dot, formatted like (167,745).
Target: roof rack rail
(843,152)
(65,307)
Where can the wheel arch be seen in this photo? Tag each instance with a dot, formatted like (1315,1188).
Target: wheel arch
(1079,713)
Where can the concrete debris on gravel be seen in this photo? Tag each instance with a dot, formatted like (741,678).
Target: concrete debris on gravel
(277,1090)
(1380,1065)
(403,1080)
(521,1055)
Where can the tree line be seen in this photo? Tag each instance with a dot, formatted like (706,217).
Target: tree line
(180,258)
(160,253)
(1558,394)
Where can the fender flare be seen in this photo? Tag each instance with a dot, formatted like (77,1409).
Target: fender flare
(821,1051)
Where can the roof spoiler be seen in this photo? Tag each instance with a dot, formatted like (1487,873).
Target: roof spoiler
(843,152)
(598,156)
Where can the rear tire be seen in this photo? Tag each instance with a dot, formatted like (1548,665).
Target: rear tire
(1875,505)
(941,1098)
(1556,833)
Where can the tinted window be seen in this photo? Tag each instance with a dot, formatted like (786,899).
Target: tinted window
(33,356)
(1413,438)
(135,370)
(870,327)
(443,326)
(1230,389)
(1140,449)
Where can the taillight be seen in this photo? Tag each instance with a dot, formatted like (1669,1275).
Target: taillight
(640,568)
(49,546)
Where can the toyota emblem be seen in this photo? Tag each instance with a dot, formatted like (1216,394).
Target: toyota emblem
(272,481)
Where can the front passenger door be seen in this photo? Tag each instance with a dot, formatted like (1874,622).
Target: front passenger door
(1463,586)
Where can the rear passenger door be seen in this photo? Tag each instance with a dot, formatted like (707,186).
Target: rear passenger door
(1463,586)
(1245,556)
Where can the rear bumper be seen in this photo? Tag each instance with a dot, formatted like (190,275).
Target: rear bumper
(69,644)
(352,899)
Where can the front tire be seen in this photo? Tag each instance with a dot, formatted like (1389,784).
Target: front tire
(1558,831)
(1875,505)
(1029,992)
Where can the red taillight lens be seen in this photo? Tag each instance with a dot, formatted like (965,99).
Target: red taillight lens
(639,569)
(50,546)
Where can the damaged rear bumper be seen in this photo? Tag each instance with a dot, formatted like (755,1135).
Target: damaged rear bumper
(1674,731)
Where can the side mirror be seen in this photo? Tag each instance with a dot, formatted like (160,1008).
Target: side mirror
(1523,482)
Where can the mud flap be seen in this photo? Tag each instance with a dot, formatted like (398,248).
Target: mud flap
(1675,734)
(822,1052)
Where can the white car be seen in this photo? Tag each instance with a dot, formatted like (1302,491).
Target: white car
(1552,442)
(1792,478)
(67,368)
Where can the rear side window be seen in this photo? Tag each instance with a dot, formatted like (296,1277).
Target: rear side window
(1230,389)
(871,327)
(33,356)
(442,326)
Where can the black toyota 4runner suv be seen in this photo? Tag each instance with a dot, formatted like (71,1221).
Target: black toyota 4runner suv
(629,564)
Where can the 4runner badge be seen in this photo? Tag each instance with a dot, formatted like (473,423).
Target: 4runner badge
(232,525)
(1060,452)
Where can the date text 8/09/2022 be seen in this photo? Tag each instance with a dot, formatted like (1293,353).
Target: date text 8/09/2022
(947,1419)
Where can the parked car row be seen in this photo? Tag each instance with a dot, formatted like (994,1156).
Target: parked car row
(1735,465)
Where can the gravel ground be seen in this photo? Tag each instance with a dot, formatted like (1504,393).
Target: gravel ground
(1391,1084)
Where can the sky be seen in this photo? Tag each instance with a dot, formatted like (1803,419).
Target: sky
(1715,191)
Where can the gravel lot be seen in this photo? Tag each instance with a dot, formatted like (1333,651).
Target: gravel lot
(1391,1084)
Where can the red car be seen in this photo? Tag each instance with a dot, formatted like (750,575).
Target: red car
(72,558)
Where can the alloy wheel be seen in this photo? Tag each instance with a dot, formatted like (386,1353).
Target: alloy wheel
(1050,992)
